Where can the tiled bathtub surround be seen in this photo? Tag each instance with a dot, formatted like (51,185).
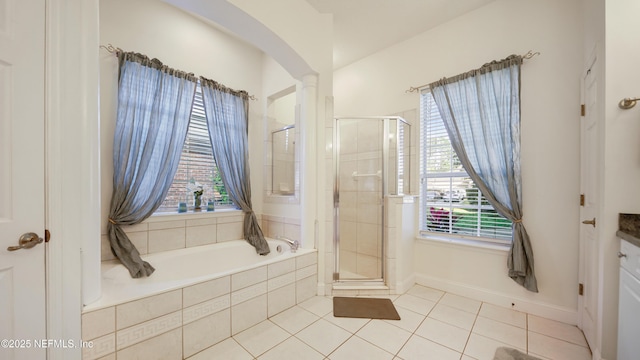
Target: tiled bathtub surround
(171,232)
(274,226)
(182,322)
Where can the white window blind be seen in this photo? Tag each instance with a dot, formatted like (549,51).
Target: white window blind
(450,201)
(197,165)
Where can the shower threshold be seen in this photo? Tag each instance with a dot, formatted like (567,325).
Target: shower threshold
(359,285)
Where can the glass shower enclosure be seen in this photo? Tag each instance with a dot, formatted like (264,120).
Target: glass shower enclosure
(372,160)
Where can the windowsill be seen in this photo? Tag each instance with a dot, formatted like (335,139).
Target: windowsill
(466,242)
(189,215)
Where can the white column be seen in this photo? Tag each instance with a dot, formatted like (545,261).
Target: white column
(308,158)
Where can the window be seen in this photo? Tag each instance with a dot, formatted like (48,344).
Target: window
(197,165)
(450,201)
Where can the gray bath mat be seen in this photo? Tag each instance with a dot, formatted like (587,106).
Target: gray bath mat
(362,307)
(505,353)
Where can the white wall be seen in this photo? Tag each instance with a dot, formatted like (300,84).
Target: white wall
(550,136)
(180,41)
(310,35)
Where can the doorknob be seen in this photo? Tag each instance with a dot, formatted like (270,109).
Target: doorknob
(27,241)
(590,222)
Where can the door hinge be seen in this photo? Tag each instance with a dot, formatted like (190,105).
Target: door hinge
(47,235)
(580,289)
(581,199)
(583,110)
(336,276)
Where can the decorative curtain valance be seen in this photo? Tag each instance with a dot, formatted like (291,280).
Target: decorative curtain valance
(512,60)
(219,87)
(152,64)
(481,112)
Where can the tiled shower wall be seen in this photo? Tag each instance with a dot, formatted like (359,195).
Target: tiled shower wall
(274,226)
(180,323)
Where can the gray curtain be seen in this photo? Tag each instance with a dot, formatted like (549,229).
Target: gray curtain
(481,112)
(227,118)
(154,106)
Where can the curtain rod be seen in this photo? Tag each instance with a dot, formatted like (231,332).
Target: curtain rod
(526,56)
(114,50)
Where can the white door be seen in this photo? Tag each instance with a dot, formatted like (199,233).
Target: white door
(588,212)
(22,278)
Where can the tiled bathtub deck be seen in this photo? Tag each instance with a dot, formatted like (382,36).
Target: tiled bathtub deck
(182,322)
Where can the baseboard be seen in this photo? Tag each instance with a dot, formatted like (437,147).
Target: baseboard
(322,289)
(406,284)
(565,315)
(596,355)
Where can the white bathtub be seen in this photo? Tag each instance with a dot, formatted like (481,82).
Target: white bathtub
(184,267)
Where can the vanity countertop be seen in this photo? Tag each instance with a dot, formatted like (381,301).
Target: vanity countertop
(629,228)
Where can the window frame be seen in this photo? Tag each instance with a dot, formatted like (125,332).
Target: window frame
(457,172)
(198,120)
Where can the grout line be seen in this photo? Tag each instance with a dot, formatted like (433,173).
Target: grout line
(526,324)
(437,302)
(471,330)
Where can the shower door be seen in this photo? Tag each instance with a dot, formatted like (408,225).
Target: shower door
(358,198)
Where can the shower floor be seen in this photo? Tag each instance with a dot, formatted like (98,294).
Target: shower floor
(349,275)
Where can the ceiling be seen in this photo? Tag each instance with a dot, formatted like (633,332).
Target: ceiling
(363,27)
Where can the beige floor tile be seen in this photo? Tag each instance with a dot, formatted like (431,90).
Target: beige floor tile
(415,304)
(557,330)
(409,320)
(262,337)
(502,314)
(482,348)
(444,334)
(319,305)
(426,292)
(453,316)
(323,336)
(419,348)
(292,348)
(553,348)
(461,303)
(357,348)
(294,319)
(228,349)
(352,325)
(453,328)
(384,335)
(505,333)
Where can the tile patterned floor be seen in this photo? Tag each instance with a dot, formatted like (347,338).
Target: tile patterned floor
(435,325)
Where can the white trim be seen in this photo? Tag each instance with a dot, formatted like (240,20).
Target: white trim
(406,284)
(479,243)
(190,215)
(321,289)
(559,313)
(72,176)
